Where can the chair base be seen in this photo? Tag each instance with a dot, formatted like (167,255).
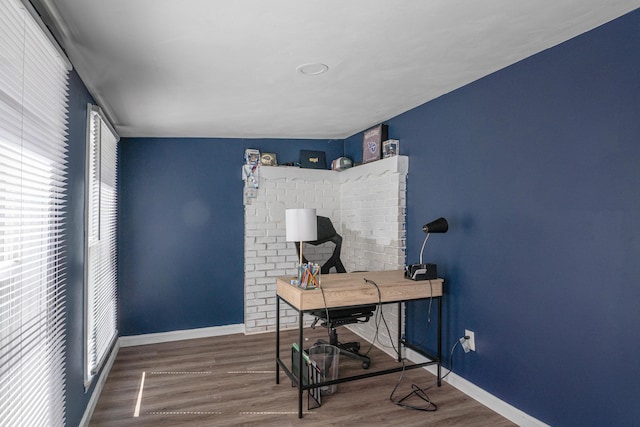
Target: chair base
(348,349)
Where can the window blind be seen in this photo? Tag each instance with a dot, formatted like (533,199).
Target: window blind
(101,280)
(33,158)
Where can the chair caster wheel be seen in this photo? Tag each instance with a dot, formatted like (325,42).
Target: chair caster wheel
(365,365)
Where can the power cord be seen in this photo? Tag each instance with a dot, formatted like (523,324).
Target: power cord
(426,332)
(380,317)
(326,311)
(419,392)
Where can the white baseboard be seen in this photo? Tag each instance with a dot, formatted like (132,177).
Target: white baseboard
(161,337)
(97,390)
(487,399)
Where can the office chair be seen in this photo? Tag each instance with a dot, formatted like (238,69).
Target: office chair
(341,316)
(326,233)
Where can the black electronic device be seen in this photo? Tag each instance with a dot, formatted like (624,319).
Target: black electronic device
(421,271)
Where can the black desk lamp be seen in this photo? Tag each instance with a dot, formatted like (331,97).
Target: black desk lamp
(427,271)
(439,225)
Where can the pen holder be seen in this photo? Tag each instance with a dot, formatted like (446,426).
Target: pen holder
(309,276)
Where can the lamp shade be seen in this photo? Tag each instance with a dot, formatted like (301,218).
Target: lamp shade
(301,225)
(439,225)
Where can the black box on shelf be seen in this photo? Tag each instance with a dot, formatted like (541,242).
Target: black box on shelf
(311,159)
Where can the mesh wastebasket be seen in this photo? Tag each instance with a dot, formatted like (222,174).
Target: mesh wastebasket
(327,358)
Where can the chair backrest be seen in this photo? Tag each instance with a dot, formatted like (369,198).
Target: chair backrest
(327,233)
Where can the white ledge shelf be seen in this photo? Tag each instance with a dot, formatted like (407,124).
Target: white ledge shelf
(395,164)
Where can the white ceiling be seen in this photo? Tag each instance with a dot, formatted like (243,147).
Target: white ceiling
(209,68)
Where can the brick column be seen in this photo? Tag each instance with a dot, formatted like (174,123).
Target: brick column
(367,207)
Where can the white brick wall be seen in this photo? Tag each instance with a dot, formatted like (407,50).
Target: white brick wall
(367,207)
(373,203)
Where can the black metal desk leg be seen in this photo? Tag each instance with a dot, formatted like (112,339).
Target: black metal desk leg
(300,364)
(277,339)
(399,331)
(440,341)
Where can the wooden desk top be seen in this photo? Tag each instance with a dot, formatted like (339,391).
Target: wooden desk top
(349,289)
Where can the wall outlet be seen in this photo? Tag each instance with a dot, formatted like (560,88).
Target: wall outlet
(472,339)
(464,344)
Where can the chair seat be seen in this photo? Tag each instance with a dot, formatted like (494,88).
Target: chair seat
(340,317)
(345,316)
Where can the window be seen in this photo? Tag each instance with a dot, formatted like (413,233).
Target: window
(33,146)
(101,252)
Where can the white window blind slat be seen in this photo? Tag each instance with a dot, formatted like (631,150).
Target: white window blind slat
(33,156)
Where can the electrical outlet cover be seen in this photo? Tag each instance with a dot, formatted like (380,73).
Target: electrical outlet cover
(472,339)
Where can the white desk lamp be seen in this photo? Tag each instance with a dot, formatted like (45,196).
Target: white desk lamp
(302,226)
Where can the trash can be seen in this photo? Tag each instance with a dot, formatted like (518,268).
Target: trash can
(327,359)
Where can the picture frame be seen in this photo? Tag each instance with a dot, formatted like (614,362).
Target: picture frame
(268,159)
(390,148)
(372,142)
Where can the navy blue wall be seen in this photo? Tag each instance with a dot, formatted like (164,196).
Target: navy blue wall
(537,169)
(353,147)
(76,397)
(181,241)
(180,237)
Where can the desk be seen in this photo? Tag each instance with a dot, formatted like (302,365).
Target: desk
(350,290)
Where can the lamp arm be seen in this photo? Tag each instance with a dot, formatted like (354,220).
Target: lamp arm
(423,244)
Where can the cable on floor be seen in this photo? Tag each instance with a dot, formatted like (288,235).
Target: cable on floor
(417,391)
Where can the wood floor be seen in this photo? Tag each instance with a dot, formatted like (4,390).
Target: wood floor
(230,381)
